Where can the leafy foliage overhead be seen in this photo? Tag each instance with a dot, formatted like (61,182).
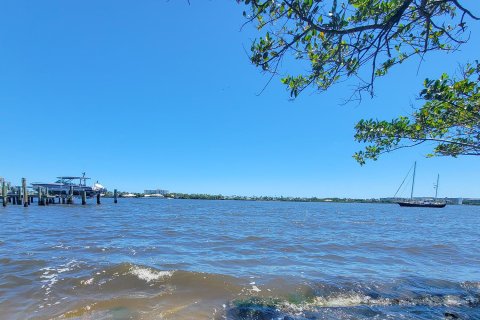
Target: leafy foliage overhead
(450,119)
(336,38)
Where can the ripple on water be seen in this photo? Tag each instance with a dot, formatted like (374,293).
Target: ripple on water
(344,261)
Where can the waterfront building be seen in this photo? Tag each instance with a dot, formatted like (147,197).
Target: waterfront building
(156,192)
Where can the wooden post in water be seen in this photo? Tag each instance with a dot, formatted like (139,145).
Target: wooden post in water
(25,192)
(84,197)
(40,197)
(115,195)
(46,197)
(15,196)
(10,200)
(19,199)
(4,193)
(70,196)
(98,198)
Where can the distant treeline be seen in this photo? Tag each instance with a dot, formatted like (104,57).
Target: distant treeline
(199,196)
(203,196)
(472,202)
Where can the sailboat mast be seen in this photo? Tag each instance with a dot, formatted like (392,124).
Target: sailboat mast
(413,182)
(436,187)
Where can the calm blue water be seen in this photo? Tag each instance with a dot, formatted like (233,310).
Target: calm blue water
(186,259)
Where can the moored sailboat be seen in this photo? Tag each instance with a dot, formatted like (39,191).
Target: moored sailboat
(422,203)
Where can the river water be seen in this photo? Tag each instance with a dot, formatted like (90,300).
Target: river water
(187,259)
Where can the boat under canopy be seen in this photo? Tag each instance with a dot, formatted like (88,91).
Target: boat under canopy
(66,183)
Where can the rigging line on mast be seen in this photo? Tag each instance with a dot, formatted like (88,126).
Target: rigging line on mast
(408,173)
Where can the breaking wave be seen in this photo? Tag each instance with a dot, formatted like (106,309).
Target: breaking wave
(149,274)
(129,291)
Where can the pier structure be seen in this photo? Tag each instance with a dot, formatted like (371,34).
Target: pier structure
(16,195)
(24,195)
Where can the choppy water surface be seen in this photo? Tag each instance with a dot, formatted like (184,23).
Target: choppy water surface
(181,259)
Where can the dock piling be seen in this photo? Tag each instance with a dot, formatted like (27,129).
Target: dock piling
(19,196)
(70,196)
(98,198)
(46,197)
(4,194)
(115,195)
(40,197)
(25,192)
(84,197)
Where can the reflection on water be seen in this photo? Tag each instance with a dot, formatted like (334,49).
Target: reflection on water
(182,259)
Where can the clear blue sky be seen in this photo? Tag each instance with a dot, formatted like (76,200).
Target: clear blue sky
(159,94)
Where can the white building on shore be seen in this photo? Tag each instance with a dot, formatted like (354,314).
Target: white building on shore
(156,192)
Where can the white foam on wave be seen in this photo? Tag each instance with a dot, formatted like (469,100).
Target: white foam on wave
(87,282)
(356,299)
(342,301)
(454,301)
(148,274)
(353,300)
(255,289)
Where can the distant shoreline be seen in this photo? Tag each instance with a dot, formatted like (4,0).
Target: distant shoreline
(276,199)
(195,196)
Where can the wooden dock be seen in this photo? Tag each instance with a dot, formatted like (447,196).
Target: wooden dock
(21,195)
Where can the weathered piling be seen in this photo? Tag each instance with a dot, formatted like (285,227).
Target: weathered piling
(70,196)
(98,198)
(4,194)
(19,199)
(40,197)
(46,197)
(115,195)
(25,192)
(84,197)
